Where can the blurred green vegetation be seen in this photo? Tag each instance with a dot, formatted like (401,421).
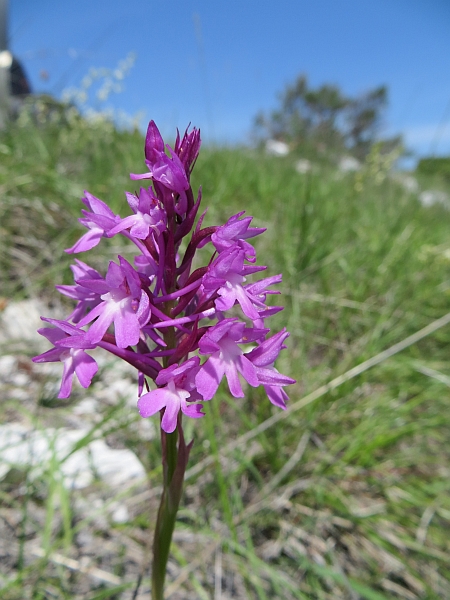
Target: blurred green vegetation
(325,122)
(49,156)
(434,167)
(363,508)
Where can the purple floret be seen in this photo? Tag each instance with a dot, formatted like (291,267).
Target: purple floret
(226,276)
(236,231)
(226,358)
(99,219)
(263,358)
(178,382)
(148,217)
(124,303)
(87,298)
(75,360)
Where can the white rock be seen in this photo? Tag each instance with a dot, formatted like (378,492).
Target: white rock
(49,369)
(119,513)
(20,321)
(408,182)
(22,394)
(88,406)
(303,166)
(93,507)
(8,364)
(22,447)
(348,164)
(147,429)
(431,197)
(115,467)
(277,148)
(20,379)
(116,390)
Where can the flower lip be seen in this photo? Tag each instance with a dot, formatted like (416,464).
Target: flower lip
(178,382)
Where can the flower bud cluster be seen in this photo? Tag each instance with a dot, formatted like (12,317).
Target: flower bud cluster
(168,319)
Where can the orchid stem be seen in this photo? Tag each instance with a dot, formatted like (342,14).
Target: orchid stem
(167,513)
(175,458)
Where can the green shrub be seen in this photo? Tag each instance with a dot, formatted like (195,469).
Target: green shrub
(434,166)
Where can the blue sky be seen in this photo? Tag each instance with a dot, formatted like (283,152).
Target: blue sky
(217,63)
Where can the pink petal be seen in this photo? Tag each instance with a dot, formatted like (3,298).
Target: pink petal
(248,371)
(150,403)
(194,411)
(210,375)
(87,241)
(100,327)
(169,420)
(140,229)
(144,311)
(233,381)
(277,396)
(123,224)
(227,298)
(85,368)
(270,376)
(66,382)
(247,307)
(126,328)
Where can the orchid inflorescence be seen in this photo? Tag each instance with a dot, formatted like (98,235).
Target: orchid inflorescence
(170,320)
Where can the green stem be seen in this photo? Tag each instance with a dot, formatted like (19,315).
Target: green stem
(167,513)
(175,458)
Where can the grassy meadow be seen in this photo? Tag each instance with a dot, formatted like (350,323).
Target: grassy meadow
(346,494)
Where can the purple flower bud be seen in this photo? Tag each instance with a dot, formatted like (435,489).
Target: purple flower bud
(188,149)
(169,171)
